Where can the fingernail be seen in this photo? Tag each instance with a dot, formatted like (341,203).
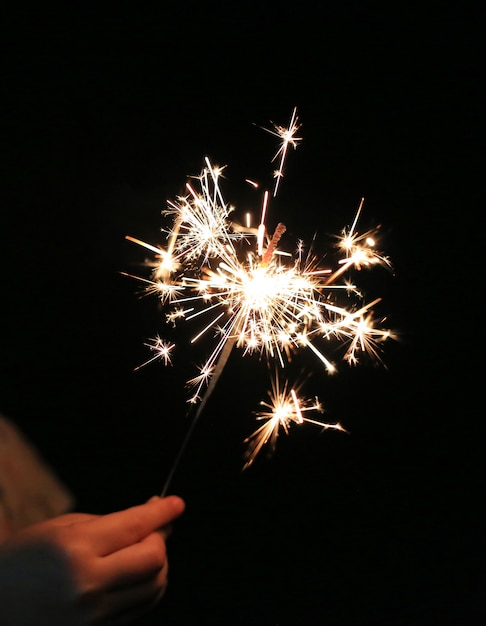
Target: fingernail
(178,504)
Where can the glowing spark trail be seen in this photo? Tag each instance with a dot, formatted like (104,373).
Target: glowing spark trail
(248,293)
(287,136)
(284,409)
(162,351)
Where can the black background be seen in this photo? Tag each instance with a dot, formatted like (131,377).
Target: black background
(107,112)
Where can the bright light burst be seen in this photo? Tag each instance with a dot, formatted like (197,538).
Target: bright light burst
(240,288)
(162,351)
(284,409)
(287,136)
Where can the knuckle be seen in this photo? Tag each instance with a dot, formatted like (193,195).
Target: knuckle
(156,553)
(136,527)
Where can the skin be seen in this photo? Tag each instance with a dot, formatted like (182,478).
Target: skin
(118,561)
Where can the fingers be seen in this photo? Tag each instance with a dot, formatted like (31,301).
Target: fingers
(166,531)
(117,562)
(49,529)
(131,580)
(135,563)
(69,519)
(115,531)
(121,605)
(125,606)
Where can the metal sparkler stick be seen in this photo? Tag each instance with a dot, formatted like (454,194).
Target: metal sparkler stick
(218,370)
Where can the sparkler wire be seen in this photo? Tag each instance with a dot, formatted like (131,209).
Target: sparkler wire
(218,370)
(220,365)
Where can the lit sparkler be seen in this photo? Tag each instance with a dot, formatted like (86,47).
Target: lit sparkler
(246,292)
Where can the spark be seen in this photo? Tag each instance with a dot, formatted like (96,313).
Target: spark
(242,289)
(360,250)
(287,136)
(162,350)
(283,410)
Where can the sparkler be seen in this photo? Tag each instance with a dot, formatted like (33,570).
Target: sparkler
(247,292)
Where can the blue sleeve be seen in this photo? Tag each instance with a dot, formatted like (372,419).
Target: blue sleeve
(37,588)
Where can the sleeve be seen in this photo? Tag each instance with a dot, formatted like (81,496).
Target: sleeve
(37,588)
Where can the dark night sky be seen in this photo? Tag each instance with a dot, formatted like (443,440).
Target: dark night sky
(107,112)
